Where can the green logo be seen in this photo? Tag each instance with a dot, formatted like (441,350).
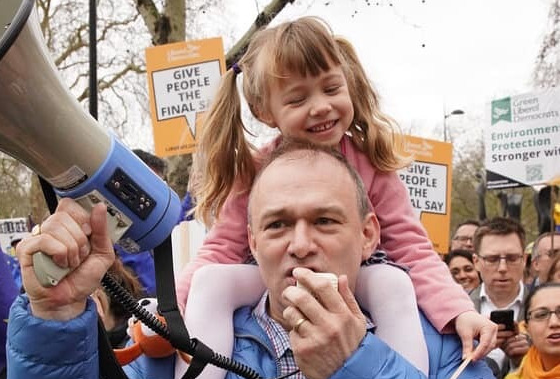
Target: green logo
(501,110)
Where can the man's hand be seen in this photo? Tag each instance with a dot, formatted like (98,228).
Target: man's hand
(472,324)
(514,344)
(503,336)
(72,238)
(333,328)
(516,347)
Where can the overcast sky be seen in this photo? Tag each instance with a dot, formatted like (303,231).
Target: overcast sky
(433,56)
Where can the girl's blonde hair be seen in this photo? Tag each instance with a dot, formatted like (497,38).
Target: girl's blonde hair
(305,47)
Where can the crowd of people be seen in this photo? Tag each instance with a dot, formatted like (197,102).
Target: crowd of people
(494,255)
(322,197)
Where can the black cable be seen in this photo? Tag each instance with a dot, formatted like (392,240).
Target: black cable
(131,305)
(148,319)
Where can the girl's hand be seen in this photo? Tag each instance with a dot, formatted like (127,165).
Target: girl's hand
(75,239)
(471,324)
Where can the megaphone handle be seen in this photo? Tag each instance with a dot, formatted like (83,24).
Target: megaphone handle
(48,273)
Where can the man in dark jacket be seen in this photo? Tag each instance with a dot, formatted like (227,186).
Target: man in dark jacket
(499,257)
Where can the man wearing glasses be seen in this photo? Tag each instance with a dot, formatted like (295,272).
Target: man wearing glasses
(545,249)
(499,257)
(463,237)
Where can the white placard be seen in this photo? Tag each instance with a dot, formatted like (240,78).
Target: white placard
(522,140)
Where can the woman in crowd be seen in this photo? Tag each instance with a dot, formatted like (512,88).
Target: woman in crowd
(461,266)
(112,313)
(542,318)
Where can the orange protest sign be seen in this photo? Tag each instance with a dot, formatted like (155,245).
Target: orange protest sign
(428,180)
(182,80)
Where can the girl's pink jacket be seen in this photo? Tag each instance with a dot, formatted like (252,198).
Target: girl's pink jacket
(403,238)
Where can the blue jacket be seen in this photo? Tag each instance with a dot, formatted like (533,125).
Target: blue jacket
(142,265)
(65,350)
(15,270)
(8,293)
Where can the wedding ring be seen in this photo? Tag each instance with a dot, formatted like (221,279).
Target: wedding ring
(36,230)
(298,324)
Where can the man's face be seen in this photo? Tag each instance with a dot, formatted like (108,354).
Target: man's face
(463,238)
(547,249)
(304,213)
(501,278)
(464,273)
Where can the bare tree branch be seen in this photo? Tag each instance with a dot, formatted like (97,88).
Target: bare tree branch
(547,69)
(262,20)
(149,12)
(115,77)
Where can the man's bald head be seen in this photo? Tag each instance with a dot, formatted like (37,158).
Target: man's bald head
(291,150)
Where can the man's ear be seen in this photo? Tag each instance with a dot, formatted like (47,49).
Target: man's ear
(477,262)
(371,233)
(535,263)
(251,239)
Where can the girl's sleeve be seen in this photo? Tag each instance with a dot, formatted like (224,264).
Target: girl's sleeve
(405,241)
(226,242)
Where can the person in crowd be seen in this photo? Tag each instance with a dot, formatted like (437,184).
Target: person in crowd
(8,292)
(529,273)
(463,237)
(13,262)
(499,257)
(542,317)
(187,205)
(461,266)
(155,163)
(308,84)
(142,263)
(553,274)
(308,213)
(13,244)
(112,313)
(545,249)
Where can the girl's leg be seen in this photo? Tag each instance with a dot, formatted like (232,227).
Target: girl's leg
(386,292)
(217,290)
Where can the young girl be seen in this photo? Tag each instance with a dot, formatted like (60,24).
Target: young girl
(310,85)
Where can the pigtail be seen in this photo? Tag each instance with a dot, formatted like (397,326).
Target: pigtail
(372,131)
(223,155)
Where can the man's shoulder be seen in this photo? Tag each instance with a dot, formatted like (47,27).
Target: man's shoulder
(475,297)
(244,323)
(475,293)
(445,350)
(445,354)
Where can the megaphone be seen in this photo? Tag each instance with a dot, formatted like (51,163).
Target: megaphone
(43,126)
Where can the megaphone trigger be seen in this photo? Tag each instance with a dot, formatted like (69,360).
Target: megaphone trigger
(48,273)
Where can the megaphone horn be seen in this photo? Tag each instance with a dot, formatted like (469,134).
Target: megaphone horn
(43,126)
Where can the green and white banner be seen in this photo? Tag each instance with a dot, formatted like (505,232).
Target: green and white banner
(522,142)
